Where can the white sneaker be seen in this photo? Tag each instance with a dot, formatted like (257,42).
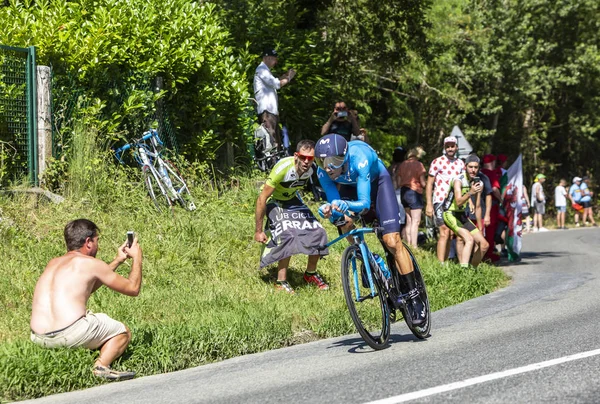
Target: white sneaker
(543,229)
(535,230)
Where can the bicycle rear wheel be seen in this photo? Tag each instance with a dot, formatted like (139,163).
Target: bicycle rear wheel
(419,331)
(180,188)
(154,188)
(370,314)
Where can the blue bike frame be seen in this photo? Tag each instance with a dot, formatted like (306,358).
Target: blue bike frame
(359,238)
(147,135)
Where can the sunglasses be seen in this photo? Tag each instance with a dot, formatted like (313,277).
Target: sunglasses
(304,157)
(333,162)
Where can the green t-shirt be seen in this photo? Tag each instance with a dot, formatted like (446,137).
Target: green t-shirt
(450,202)
(285,179)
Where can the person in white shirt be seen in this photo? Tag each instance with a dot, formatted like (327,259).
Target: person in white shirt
(560,202)
(442,170)
(265,92)
(538,202)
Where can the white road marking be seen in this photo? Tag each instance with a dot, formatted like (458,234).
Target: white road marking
(482,379)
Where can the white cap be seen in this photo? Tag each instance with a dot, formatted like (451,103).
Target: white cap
(450,139)
(575,179)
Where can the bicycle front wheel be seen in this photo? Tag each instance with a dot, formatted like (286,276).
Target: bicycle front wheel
(155,190)
(370,313)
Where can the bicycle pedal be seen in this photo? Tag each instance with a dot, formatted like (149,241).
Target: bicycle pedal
(191,206)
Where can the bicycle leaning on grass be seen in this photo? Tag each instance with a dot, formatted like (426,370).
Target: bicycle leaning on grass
(373,290)
(165,185)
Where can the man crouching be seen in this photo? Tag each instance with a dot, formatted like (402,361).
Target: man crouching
(59,317)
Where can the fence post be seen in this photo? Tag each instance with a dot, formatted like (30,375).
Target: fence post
(44,117)
(31,73)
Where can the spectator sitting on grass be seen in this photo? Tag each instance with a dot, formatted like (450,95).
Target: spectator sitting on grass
(59,317)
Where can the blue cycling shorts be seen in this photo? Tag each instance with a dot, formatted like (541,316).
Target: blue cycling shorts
(383,198)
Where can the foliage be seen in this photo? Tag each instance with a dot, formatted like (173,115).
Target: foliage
(113,50)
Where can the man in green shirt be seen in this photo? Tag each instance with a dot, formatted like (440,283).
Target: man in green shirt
(463,188)
(281,192)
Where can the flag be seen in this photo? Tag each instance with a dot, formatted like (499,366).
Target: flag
(293,230)
(511,202)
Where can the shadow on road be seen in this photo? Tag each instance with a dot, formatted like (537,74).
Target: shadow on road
(359,346)
(529,257)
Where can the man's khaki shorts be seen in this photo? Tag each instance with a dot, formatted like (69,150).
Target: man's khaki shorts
(90,331)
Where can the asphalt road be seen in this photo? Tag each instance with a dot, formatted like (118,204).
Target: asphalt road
(535,341)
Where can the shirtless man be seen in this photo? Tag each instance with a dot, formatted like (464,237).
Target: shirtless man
(59,317)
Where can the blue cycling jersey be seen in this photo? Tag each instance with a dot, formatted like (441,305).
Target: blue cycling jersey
(361,167)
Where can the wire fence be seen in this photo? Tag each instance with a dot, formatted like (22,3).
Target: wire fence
(71,101)
(18,138)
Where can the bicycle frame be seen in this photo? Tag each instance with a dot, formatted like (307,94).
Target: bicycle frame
(387,287)
(359,239)
(147,153)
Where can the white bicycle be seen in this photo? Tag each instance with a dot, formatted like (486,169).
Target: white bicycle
(165,185)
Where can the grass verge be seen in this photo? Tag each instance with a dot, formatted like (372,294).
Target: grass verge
(203,298)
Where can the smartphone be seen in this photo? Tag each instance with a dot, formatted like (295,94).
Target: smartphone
(476,180)
(129,239)
(342,114)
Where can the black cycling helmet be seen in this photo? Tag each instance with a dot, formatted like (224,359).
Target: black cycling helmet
(330,151)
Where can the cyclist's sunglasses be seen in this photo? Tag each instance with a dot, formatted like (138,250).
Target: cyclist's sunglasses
(304,157)
(333,162)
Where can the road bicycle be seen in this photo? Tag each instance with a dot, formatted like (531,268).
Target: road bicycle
(266,152)
(373,292)
(165,185)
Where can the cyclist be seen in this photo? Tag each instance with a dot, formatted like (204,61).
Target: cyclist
(363,180)
(287,177)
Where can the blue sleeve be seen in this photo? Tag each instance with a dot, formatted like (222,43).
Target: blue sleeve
(328,185)
(363,182)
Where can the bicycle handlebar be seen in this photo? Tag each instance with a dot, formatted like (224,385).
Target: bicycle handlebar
(152,133)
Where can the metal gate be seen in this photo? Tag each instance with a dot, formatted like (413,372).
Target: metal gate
(18,114)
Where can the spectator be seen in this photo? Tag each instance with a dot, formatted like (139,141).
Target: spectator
(397,159)
(525,216)
(560,202)
(59,317)
(278,200)
(265,93)
(465,186)
(363,134)
(575,194)
(442,170)
(502,163)
(410,177)
(489,169)
(538,202)
(586,201)
(486,203)
(341,122)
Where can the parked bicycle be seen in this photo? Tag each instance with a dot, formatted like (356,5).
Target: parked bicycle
(373,290)
(266,152)
(165,185)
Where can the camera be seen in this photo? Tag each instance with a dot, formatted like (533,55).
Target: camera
(341,114)
(129,239)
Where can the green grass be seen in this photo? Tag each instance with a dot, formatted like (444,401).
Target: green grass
(203,298)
